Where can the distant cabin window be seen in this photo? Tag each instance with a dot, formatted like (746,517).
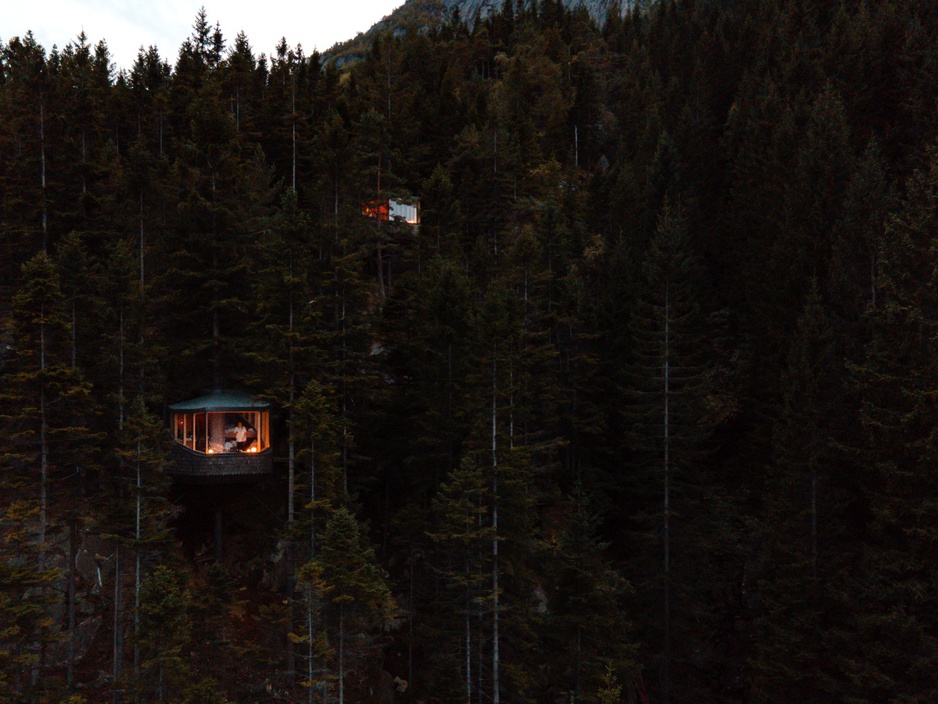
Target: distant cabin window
(392,210)
(223,431)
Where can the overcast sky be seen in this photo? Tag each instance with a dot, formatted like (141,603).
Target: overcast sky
(127,25)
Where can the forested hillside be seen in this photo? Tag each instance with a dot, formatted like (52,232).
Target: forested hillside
(643,411)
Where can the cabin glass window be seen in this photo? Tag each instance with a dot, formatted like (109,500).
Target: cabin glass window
(222,431)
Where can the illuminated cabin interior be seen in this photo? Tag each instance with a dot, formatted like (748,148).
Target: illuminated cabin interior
(224,435)
(390,210)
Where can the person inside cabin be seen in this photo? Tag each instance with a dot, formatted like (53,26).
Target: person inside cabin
(241,435)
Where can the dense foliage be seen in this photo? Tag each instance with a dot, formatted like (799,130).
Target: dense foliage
(643,411)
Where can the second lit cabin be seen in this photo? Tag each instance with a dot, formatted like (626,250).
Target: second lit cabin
(390,210)
(222,436)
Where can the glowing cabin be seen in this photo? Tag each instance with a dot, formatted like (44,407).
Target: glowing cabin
(222,436)
(392,211)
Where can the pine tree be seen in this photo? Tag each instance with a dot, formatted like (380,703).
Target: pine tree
(25,176)
(317,431)
(893,615)
(858,237)
(163,634)
(48,393)
(25,599)
(354,587)
(425,325)
(143,452)
(222,194)
(587,623)
(806,549)
(463,531)
(668,395)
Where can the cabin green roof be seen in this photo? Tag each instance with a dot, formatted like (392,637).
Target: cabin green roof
(220,400)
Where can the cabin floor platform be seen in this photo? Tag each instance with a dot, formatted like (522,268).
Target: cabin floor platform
(191,466)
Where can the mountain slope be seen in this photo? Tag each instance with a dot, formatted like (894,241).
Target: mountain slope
(431,14)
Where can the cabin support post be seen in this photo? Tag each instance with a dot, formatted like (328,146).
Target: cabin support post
(218,533)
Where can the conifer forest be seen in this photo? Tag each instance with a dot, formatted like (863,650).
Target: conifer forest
(644,410)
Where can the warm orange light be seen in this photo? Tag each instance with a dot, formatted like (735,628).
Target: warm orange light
(210,451)
(253,449)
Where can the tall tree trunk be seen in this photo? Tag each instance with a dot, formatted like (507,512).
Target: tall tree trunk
(43,440)
(116,652)
(120,369)
(410,622)
(312,498)
(293,116)
(42,159)
(137,538)
(814,536)
(216,331)
(341,654)
(72,552)
(74,334)
(142,245)
(666,672)
(309,642)
(291,478)
(43,483)
(495,652)
(468,625)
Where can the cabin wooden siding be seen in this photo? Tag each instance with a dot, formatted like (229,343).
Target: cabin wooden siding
(198,467)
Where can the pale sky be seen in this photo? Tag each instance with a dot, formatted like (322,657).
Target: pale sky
(126,25)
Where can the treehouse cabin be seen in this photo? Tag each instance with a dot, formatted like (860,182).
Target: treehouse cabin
(393,211)
(221,437)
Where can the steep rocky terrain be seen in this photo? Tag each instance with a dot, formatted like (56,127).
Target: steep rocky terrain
(423,14)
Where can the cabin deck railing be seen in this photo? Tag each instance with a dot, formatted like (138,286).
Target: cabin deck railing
(194,466)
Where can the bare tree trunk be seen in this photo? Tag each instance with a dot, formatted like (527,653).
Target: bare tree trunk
(468,640)
(291,465)
(74,333)
(666,670)
(43,475)
(814,537)
(495,653)
(116,653)
(142,244)
(137,537)
(341,654)
(72,551)
(216,331)
(43,484)
(309,642)
(410,622)
(42,160)
(312,498)
(43,441)
(293,112)
(120,370)
(382,293)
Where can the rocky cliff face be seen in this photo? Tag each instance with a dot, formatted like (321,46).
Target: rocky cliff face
(470,9)
(432,13)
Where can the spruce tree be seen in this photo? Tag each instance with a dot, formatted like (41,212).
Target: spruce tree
(163,634)
(667,411)
(805,548)
(346,572)
(893,620)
